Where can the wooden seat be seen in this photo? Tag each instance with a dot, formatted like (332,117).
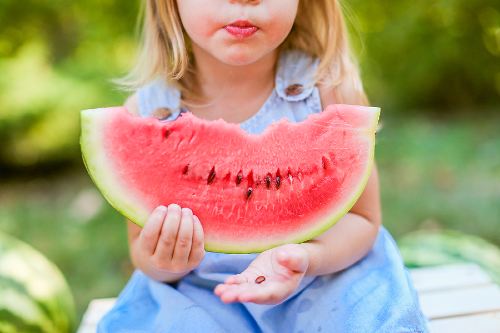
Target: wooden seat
(458,298)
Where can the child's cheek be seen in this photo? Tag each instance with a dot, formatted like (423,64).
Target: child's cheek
(198,20)
(278,23)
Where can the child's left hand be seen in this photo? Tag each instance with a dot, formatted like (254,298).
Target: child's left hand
(282,267)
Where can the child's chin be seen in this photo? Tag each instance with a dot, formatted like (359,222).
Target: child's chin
(239,57)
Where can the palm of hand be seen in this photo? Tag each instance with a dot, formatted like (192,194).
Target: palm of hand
(282,267)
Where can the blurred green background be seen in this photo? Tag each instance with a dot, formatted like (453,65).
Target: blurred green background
(433,67)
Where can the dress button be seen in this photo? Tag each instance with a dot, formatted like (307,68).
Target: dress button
(294,89)
(162,113)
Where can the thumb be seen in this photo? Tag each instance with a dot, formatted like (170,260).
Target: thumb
(295,261)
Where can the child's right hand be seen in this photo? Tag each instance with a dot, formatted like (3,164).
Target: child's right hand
(170,245)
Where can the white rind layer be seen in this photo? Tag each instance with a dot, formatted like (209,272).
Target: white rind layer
(100,169)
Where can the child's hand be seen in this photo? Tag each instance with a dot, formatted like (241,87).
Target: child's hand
(279,272)
(171,243)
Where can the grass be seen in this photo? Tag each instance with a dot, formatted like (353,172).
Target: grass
(441,174)
(434,173)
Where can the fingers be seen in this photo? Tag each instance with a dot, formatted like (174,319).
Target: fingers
(229,294)
(198,244)
(184,238)
(247,292)
(236,279)
(230,281)
(268,295)
(151,231)
(168,236)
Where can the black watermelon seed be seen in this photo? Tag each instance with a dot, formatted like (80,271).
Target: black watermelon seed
(239,178)
(278,182)
(211,176)
(249,192)
(268,181)
(260,279)
(185,169)
(166,133)
(278,179)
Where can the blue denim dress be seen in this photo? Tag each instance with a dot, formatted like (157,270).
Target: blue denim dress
(373,295)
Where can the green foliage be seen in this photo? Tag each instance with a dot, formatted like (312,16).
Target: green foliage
(437,174)
(440,55)
(58,61)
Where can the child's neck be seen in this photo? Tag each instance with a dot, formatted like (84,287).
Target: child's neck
(233,93)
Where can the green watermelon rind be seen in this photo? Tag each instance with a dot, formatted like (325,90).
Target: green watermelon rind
(425,248)
(33,288)
(107,182)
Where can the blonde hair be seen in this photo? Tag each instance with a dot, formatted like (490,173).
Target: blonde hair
(319,30)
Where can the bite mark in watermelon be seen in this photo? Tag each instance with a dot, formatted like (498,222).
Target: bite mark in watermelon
(251,192)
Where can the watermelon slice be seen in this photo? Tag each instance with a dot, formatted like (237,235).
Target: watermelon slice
(251,192)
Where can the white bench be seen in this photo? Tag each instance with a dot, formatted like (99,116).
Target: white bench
(457,298)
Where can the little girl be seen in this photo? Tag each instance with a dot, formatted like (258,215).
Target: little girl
(254,62)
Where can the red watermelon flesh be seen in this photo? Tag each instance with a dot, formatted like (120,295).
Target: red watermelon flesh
(251,192)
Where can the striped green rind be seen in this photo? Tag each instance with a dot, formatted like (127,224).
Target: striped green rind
(33,293)
(20,311)
(440,247)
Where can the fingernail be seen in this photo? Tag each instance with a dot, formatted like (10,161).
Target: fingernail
(186,211)
(161,209)
(174,207)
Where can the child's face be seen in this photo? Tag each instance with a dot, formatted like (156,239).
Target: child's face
(237,32)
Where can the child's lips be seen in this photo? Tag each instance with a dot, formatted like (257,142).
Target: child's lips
(241,29)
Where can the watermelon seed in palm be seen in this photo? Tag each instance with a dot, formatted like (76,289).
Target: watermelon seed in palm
(260,279)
